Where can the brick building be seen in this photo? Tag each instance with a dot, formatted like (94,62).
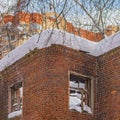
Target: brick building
(16,29)
(57,76)
(50,20)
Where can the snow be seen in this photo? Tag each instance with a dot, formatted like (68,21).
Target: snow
(107,44)
(74,103)
(20,28)
(13,114)
(75,98)
(54,36)
(73,84)
(78,95)
(86,108)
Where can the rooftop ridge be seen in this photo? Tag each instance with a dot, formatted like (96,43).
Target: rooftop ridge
(55,36)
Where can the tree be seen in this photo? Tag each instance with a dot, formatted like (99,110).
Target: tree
(98,12)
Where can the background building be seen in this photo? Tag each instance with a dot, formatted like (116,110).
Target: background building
(16,29)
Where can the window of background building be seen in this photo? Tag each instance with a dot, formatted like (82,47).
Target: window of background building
(80,93)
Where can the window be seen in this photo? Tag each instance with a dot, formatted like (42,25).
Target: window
(16,97)
(80,93)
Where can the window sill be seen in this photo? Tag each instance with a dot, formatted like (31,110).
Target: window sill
(14,114)
(82,112)
(86,114)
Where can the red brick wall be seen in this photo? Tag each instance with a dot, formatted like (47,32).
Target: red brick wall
(108,95)
(46,84)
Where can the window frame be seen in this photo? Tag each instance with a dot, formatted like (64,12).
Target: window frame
(10,97)
(91,100)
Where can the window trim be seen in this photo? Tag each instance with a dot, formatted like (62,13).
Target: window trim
(92,87)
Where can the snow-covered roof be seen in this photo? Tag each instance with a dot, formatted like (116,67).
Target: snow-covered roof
(107,44)
(54,36)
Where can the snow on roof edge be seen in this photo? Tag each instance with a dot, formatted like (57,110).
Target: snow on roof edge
(54,36)
(107,44)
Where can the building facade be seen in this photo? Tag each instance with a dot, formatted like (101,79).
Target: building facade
(58,82)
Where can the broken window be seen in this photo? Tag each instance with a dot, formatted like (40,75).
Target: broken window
(16,97)
(80,93)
